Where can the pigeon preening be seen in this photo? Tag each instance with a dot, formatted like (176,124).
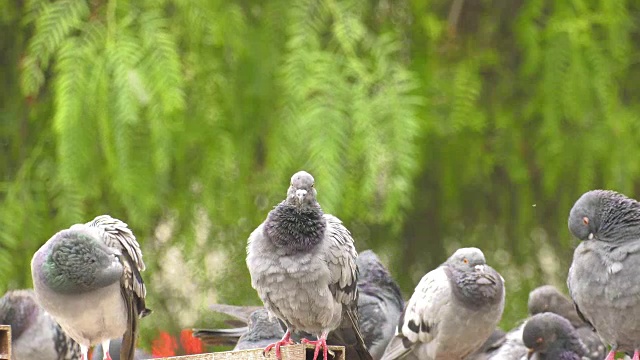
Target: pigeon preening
(34,333)
(552,337)
(604,278)
(303,265)
(262,330)
(547,298)
(453,310)
(114,350)
(88,278)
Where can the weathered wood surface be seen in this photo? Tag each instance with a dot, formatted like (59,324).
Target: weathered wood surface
(5,342)
(292,352)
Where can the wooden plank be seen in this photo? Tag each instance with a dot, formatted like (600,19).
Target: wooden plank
(5,342)
(292,352)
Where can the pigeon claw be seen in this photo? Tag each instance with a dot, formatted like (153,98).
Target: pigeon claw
(320,343)
(107,356)
(636,355)
(286,340)
(612,355)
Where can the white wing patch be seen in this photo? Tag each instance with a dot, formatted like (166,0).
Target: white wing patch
(421,316)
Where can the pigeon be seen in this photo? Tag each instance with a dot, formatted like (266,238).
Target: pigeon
(302,263)
(88,278)
(380,303)
(552,337)
(511,347)
(453,310)
(262,330)
(114,350)
(547,298)
(34,333)
(493,342)
(604,280)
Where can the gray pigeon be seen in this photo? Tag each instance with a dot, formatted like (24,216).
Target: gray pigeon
(604,279)
(547,298)
(453,310)
(511,348)
(262,330)
(494,342)
(552,337)
(34,334)
(380,303)
(303,265)
(88,278)
(114,350)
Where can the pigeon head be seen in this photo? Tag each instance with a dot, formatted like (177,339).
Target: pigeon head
(263,326)
(297,223)
(302,192)
(605,215)
(474,283)
(547,298)
(78,262)
(467,259)
(547,334)
(19,309)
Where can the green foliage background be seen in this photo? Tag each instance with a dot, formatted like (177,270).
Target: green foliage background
(428,125)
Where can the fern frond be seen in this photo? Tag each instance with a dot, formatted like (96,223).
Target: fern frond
(53,24)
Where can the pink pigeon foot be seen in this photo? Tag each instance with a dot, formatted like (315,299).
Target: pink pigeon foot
(286,340)
(320,343)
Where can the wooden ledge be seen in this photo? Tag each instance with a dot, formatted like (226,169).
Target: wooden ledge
(5,342)
(291,352)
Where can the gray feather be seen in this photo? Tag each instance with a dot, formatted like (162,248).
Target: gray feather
(88,278)
(35,335)
(302,264)
(604,279)
(452,312)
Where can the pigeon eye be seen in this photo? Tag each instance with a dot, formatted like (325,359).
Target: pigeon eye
(585,220)
(465,260)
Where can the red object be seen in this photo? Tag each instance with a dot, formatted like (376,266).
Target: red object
(164,345)
(190,344)
(321,343)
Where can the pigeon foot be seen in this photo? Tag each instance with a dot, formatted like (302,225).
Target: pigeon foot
(320,343)
(636,355)
(612,355)
(286,340)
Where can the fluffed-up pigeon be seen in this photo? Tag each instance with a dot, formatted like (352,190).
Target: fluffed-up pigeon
(604,278)
(547,298)
(453,310)
(303,265)
(380,304)
(34,333)
(88,278)
(552,337)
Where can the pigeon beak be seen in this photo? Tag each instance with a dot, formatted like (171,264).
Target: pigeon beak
(300,194)
(590,237)
(479,268)
(530,353)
